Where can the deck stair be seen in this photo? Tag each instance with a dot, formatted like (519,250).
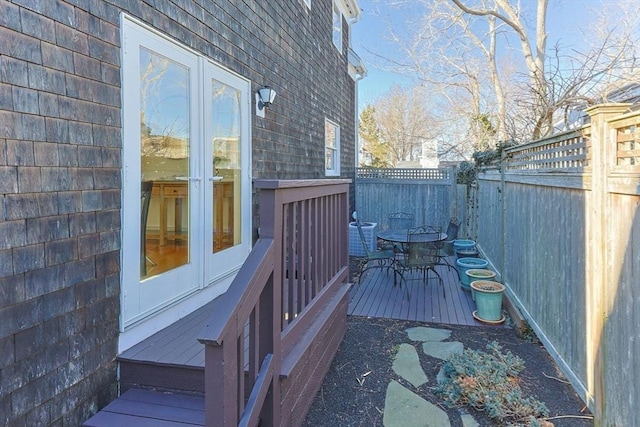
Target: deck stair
(161,378)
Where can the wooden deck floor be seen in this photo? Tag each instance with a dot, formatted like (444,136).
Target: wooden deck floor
(414,298)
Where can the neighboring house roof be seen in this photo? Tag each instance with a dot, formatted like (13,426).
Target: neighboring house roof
(577,116)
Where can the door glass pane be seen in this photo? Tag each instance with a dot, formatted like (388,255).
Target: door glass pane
(164,140)
(226,127)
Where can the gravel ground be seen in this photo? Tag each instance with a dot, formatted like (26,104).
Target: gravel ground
(353,392)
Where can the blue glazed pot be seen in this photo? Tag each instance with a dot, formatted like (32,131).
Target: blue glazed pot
(488,299)
(465,264)
(463,245)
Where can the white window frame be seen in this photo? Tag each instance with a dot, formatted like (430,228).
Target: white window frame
(336,26)
(335,171)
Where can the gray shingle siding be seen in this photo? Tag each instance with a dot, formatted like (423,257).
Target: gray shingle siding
(60,169)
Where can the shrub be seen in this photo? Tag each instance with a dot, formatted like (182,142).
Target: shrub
(489,382)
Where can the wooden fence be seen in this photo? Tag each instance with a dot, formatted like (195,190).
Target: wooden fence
(275,331)
(431,195)
(560,222)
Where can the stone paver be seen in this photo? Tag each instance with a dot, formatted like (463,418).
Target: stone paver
(407,365)
(469,421)
(423,334)
(442,350)
(403,408)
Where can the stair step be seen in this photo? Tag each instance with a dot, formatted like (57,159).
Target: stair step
(150,408)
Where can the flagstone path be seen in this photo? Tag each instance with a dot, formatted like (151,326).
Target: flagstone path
(403,407)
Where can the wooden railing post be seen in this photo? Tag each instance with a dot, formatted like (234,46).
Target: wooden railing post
(596,250)
(271,227)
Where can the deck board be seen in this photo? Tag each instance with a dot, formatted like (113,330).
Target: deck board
(428,301)
(151,408)
(176,344)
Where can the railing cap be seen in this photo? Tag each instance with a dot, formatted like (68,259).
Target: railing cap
(294,183)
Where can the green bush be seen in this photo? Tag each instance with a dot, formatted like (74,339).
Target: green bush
(489,382)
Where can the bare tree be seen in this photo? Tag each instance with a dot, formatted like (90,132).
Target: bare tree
(402,125)
(450,59)
(461,49)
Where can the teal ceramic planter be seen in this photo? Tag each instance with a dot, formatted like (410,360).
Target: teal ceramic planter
(465,248)
(461,244)
(467,253)
(479,274)
(464,264)
(488,300)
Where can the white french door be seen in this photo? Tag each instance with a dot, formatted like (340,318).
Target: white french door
(226,111)
(186,183)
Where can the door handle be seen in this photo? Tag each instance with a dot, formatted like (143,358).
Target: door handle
(188,178)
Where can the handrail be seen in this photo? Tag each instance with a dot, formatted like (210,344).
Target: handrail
(224,405)
(254,272)
(292,273)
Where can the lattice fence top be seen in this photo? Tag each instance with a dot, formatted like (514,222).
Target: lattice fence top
(406,174)
(566,151)
(628,143)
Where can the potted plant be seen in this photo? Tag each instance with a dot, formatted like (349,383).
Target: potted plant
(488,301)
(463,248)
(479,274)
(464,264)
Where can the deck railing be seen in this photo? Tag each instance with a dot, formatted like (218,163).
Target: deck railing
(290,276)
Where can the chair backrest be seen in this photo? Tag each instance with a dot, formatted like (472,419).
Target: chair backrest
(452,229)
(145,199)
(400,221)
(367,251)
(422,248)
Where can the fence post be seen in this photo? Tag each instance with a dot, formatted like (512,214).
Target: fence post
(596,251)
(454,193)
(503,210)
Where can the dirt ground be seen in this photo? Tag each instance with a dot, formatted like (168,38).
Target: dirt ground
(353,392)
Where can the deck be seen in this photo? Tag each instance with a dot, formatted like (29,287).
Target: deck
(414,298)
(173,359)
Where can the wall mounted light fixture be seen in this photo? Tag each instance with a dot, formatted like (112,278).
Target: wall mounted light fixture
(264,98)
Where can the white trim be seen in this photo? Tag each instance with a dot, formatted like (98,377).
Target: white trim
(337,30)
(336,150)
(350,9)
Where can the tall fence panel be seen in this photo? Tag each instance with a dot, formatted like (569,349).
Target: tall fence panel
(428,194)
(618,360)
(561,224)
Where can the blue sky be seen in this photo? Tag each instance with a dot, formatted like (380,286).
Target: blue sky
(370,37)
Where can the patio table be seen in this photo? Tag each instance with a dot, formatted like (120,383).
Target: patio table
(400,236)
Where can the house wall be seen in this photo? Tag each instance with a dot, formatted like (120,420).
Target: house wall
(60,169)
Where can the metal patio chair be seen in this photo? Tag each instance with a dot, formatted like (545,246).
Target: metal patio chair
(398,221)
(422,252)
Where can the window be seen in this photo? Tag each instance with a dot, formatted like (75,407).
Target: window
(332,148)
(337,27)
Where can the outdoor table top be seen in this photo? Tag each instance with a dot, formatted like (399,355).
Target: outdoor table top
(400,236)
